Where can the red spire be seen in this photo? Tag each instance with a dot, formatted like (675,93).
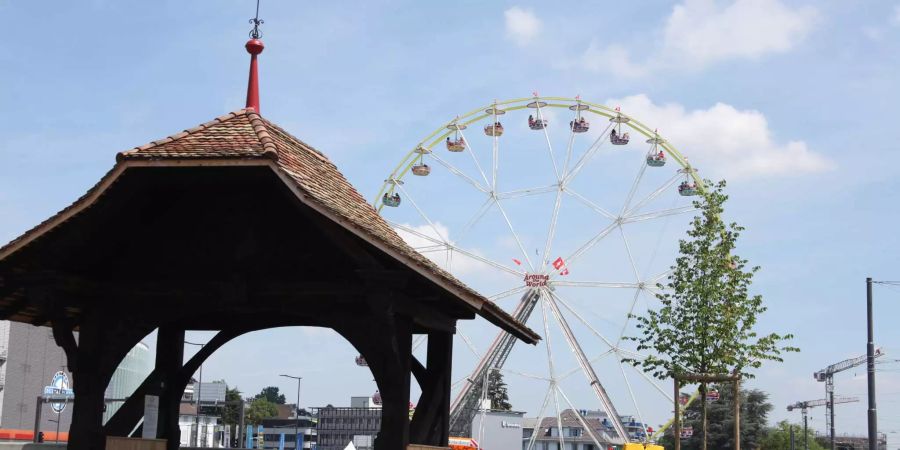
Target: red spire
(254,47)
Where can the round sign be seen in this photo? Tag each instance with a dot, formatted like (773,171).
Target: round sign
(59,385)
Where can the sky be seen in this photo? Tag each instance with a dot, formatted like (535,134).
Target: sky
(792,102)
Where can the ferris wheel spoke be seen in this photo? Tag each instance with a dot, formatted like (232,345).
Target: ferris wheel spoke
(471,152)
(455,171)
(570,145)
(524,374)
(454,248)
(637,294)
(485,207)
(588,429)
(633,398)
(596,284)
(468,343)
(590,204)
(514,234)
(652,281)
(508,293)
(634,187)
(418,341)
(586,367)
(540,417)
(660,214)
(653,383)
(586,156)
(445,239)
(668,184)
(549,145)
(591,243)
(637,275)
(550,364)
(431,248)
(559,300)
(593,360)
(551,230)
(527,192)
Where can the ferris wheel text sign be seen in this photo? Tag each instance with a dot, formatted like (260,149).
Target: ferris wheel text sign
(536,280)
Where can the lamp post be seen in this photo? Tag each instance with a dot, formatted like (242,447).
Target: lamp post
(297,411)
(199,390)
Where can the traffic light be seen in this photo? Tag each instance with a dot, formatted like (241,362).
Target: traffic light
(40,437)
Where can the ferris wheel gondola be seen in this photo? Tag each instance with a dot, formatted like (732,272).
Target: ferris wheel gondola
(616,136)
(656,156)
(457,143)
(688,187)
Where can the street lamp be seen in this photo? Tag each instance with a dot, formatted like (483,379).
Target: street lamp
(199,389)
(297,411)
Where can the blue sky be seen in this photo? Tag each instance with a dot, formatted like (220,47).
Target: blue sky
(793,102)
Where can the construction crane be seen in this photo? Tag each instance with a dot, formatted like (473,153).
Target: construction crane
(827,375)
(803,406)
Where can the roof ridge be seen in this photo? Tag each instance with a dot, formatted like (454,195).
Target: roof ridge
(262,133)
(190,131)
(318,154)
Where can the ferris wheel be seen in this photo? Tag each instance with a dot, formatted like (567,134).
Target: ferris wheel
(567,214)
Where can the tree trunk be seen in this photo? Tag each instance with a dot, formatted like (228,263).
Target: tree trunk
(737,414)
(703,414)
(676,430)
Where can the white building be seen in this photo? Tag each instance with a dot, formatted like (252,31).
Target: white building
(132,371)
(188,424)
(496,430)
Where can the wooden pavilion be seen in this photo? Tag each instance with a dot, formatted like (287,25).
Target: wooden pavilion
(234,226)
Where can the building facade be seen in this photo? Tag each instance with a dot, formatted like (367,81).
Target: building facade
(29,363)
(339,426)
(547,434)
(275,428)
(496,430)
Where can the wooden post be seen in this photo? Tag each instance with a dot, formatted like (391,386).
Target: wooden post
(737,414)
(169,358)
(89,384)
(703,413)
(676,431)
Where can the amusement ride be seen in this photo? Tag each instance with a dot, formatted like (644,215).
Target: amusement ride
(567,214)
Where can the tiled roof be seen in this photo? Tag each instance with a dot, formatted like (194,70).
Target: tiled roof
(244,135)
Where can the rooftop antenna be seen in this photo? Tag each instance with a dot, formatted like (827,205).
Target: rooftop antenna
(254,47)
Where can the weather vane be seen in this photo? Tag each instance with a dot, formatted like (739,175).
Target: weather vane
(254,33)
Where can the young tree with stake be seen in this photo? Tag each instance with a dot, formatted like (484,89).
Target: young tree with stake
(706,319)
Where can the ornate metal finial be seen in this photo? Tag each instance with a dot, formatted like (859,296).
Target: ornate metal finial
(254,33)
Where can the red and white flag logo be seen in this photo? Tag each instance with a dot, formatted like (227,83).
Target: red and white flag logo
(560,265)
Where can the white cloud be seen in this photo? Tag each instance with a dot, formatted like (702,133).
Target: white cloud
(612,58)
(896,17)
(700,33)
(522,26)
(726,142)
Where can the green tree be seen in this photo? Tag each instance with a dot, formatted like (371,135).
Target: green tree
(497,392)
(231,413)
(779,438)
(707,316)
(271,394)
(755,409)
(260,409)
